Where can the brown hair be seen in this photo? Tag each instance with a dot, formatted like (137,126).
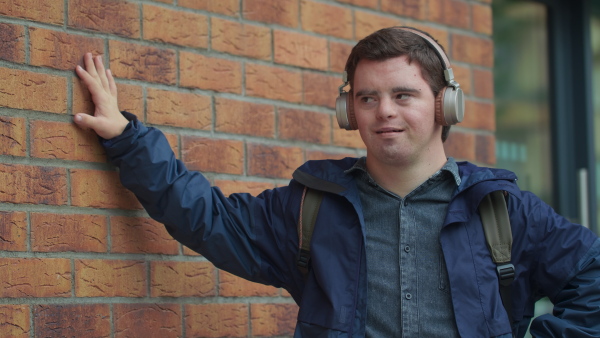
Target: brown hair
(393,42)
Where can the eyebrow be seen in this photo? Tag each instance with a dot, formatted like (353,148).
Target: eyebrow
(394,90)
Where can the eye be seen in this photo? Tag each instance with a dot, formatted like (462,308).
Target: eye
(367,99)
(402,96)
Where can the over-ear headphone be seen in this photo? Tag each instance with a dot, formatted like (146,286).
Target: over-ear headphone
(449,103)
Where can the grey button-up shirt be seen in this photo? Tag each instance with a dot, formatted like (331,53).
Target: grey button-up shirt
(408,291)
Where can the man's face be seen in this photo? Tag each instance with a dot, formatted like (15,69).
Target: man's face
(394,109)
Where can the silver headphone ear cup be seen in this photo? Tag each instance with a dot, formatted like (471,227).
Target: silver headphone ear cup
(453,106)
(341,111)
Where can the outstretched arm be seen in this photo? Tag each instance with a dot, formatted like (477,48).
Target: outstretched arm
(107,121)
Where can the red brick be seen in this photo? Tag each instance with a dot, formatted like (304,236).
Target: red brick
(271,161)
(362,3)
(130,98)
(13,227)
(33,91)
(14,321)
(322,155)
(189,252)
(233,286)
(455,13)
(302,125)
(182,279)
(147,320)
(273,83)
(110,278)
(416,9)
(479,115)
(173,140)
(345,138)
(66,141)
(273,319)
(100,189)
(12,38)
(367,23)
(216,320)
(43,11)
(462,75)
(246,118)
(300,50)
(236,186)
(13,136)
(140,235)
(474,50)
(143,63)
(281,12)
(484,83)
(213,155)
(199,71)
(70,320)
(176,27)
(317,17)
(60,232)
(482,19)
(485,149)
(225,7)
(338,55)
(23,184)
(35,277)
(240,39)
(460,146)
(60,50)
(440,35)
(178,109)
(107,16)
(319,89)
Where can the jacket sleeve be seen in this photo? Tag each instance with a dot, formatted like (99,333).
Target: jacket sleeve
(241,234)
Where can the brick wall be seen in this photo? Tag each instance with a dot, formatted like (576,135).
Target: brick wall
(243,89)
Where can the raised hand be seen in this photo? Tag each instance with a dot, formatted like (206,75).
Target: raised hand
(107,121)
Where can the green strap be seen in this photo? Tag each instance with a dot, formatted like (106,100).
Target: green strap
(309,208)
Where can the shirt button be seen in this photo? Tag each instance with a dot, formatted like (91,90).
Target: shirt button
(408,296)
(407,248)
(405,203)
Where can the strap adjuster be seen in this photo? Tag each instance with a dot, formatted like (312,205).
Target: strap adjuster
(506,273)
(303,258)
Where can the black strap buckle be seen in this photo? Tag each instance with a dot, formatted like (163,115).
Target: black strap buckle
(303,258)
(506,273)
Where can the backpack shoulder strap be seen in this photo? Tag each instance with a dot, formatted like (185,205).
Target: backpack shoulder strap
(498,235)
(309,208)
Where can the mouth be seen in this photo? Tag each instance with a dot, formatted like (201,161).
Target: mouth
(389,130)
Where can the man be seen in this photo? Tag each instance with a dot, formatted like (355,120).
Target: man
(398,247)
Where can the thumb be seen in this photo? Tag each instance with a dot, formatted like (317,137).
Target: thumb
(83,120)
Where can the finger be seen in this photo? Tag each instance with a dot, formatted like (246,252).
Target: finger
(84,120)
(92,85)
(101,71)
(112,86)
(89,65)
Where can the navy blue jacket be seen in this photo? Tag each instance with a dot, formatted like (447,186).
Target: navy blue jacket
(256,238)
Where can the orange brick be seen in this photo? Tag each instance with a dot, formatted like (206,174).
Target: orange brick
(246,118)
(319,89)
(143,63)
(317,17)
(70,320)
(226,7)
(147,320)
(362,3)
(13,42)
(14,321)
(440,35)
(273,319)
(13,136)
(338,55)
(213,155)
(199,71)
(455,13)
(482,19)
(33,91)
(474,50)
(35,277)
(173,140)
(43,11)
(178,109)
(176,27)
(270,161)
(462,75)
(302,125)
(60,232)
(60,50)
(484,83)
(416,9)
(65,141)
(100,189)
(107,16)
(367,23)
(236,186)
(273,83)
(23,184)
(240,39)
(233,286)
(110,278)
(300,50)
(140,235)
(13,227)
(189,252)
(281,12)
(345,138)
(460,146)
(322,155)
(485,149)
(479,115)
(216,320)
(182,279)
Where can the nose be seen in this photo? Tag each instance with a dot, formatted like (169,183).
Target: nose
(386,108)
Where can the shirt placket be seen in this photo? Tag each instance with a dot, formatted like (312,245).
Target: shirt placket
(408,270)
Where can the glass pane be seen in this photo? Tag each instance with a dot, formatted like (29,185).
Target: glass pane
(595,35)
(523,142)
